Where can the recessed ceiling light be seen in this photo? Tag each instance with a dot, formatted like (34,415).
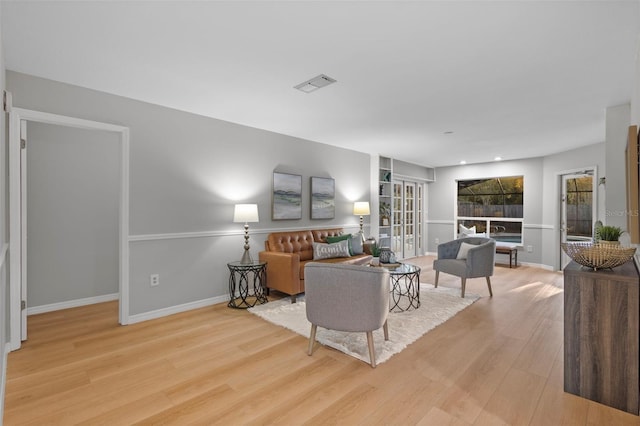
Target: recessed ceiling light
(497,158)
(315,83)
(463,162)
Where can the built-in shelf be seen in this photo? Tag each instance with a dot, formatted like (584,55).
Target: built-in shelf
(391,174)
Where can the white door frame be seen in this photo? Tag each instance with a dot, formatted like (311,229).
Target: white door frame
(16,213)
(558,214)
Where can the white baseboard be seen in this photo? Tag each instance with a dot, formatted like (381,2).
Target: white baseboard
(71,304)
(159,313)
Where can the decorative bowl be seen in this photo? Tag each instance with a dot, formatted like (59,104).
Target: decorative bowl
(598,255)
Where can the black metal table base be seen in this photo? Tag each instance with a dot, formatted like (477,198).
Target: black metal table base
(405,291)
(246,284)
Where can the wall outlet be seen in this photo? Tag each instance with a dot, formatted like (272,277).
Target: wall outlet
(154,280)
(529,249)
(437,240)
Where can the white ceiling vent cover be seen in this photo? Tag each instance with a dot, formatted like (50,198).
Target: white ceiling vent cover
(315,83)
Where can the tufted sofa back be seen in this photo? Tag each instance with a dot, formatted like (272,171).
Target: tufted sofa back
(291,242)
(300,242)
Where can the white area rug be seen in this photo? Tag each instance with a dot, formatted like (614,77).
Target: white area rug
(437,305)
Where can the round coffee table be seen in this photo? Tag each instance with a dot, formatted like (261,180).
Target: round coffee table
(405,287)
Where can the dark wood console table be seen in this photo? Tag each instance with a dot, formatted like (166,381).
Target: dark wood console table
(601,333)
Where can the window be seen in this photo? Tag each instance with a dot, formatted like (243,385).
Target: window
(494,206)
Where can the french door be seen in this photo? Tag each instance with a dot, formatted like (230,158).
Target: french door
(407,219)
(577,210)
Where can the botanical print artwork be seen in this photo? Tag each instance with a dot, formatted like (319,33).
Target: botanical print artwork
(323,204)
(287,196)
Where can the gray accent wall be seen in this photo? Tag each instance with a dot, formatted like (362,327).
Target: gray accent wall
(442,199)
(72,213)
(541,198)
(554,166)
(4,217)
(186,173)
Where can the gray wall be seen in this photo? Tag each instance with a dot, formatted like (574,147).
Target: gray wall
(618,120)
(541,198)
(187,172)
(72,220)
(4,290)
(553,168)
(442,199)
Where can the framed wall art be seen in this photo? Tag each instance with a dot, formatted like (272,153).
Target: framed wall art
(287,196)
(323,193)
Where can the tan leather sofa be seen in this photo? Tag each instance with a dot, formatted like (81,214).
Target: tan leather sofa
(286,253)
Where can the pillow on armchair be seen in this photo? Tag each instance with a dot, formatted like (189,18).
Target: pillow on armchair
(463,231)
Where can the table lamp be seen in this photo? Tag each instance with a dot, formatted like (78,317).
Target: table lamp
(246,213)
(361,208)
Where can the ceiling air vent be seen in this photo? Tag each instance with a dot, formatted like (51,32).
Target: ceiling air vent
(315,83)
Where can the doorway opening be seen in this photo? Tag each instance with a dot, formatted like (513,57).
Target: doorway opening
(18,119)
(577,210)
(408,217)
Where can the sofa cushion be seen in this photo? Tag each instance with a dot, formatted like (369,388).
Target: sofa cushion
(337,238)
(356,244)
(330,250)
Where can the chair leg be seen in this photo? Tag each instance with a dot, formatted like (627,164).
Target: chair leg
(489,285)
(386,330)
(312,338)
(464,284)
(372,352)
(437,274)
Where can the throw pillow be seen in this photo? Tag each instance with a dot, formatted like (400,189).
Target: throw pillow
(338,238)
(464,250)
(465,232)
(327,250)
(356,244)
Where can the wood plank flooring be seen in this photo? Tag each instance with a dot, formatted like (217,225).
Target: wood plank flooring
(498,362)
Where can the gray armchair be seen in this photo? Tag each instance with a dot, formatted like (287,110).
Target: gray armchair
(347,298)
(478,261)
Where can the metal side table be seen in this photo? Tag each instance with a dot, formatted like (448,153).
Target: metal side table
(247,283)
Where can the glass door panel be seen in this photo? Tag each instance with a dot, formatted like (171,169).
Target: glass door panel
(576,219)
(407,219)
(409,234)
(396,232)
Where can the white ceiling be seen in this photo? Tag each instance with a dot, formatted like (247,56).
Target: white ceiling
(510,78)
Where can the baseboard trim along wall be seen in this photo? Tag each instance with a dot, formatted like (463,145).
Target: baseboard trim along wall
(159,313)
(71,304)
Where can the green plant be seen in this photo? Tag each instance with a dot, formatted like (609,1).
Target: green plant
(385,209)
(608,233)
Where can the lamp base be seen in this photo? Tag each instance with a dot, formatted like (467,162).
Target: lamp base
(246,258)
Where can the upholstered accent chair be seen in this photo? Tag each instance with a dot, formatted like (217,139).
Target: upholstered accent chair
(347,298)
(472,257)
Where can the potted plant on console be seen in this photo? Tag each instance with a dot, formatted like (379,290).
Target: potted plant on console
(608,234)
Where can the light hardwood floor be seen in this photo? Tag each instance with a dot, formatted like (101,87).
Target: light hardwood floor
(497,362)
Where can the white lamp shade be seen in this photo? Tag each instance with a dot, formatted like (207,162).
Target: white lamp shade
(361,208)
(244,213)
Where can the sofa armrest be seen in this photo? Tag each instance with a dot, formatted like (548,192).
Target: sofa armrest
(283,271)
